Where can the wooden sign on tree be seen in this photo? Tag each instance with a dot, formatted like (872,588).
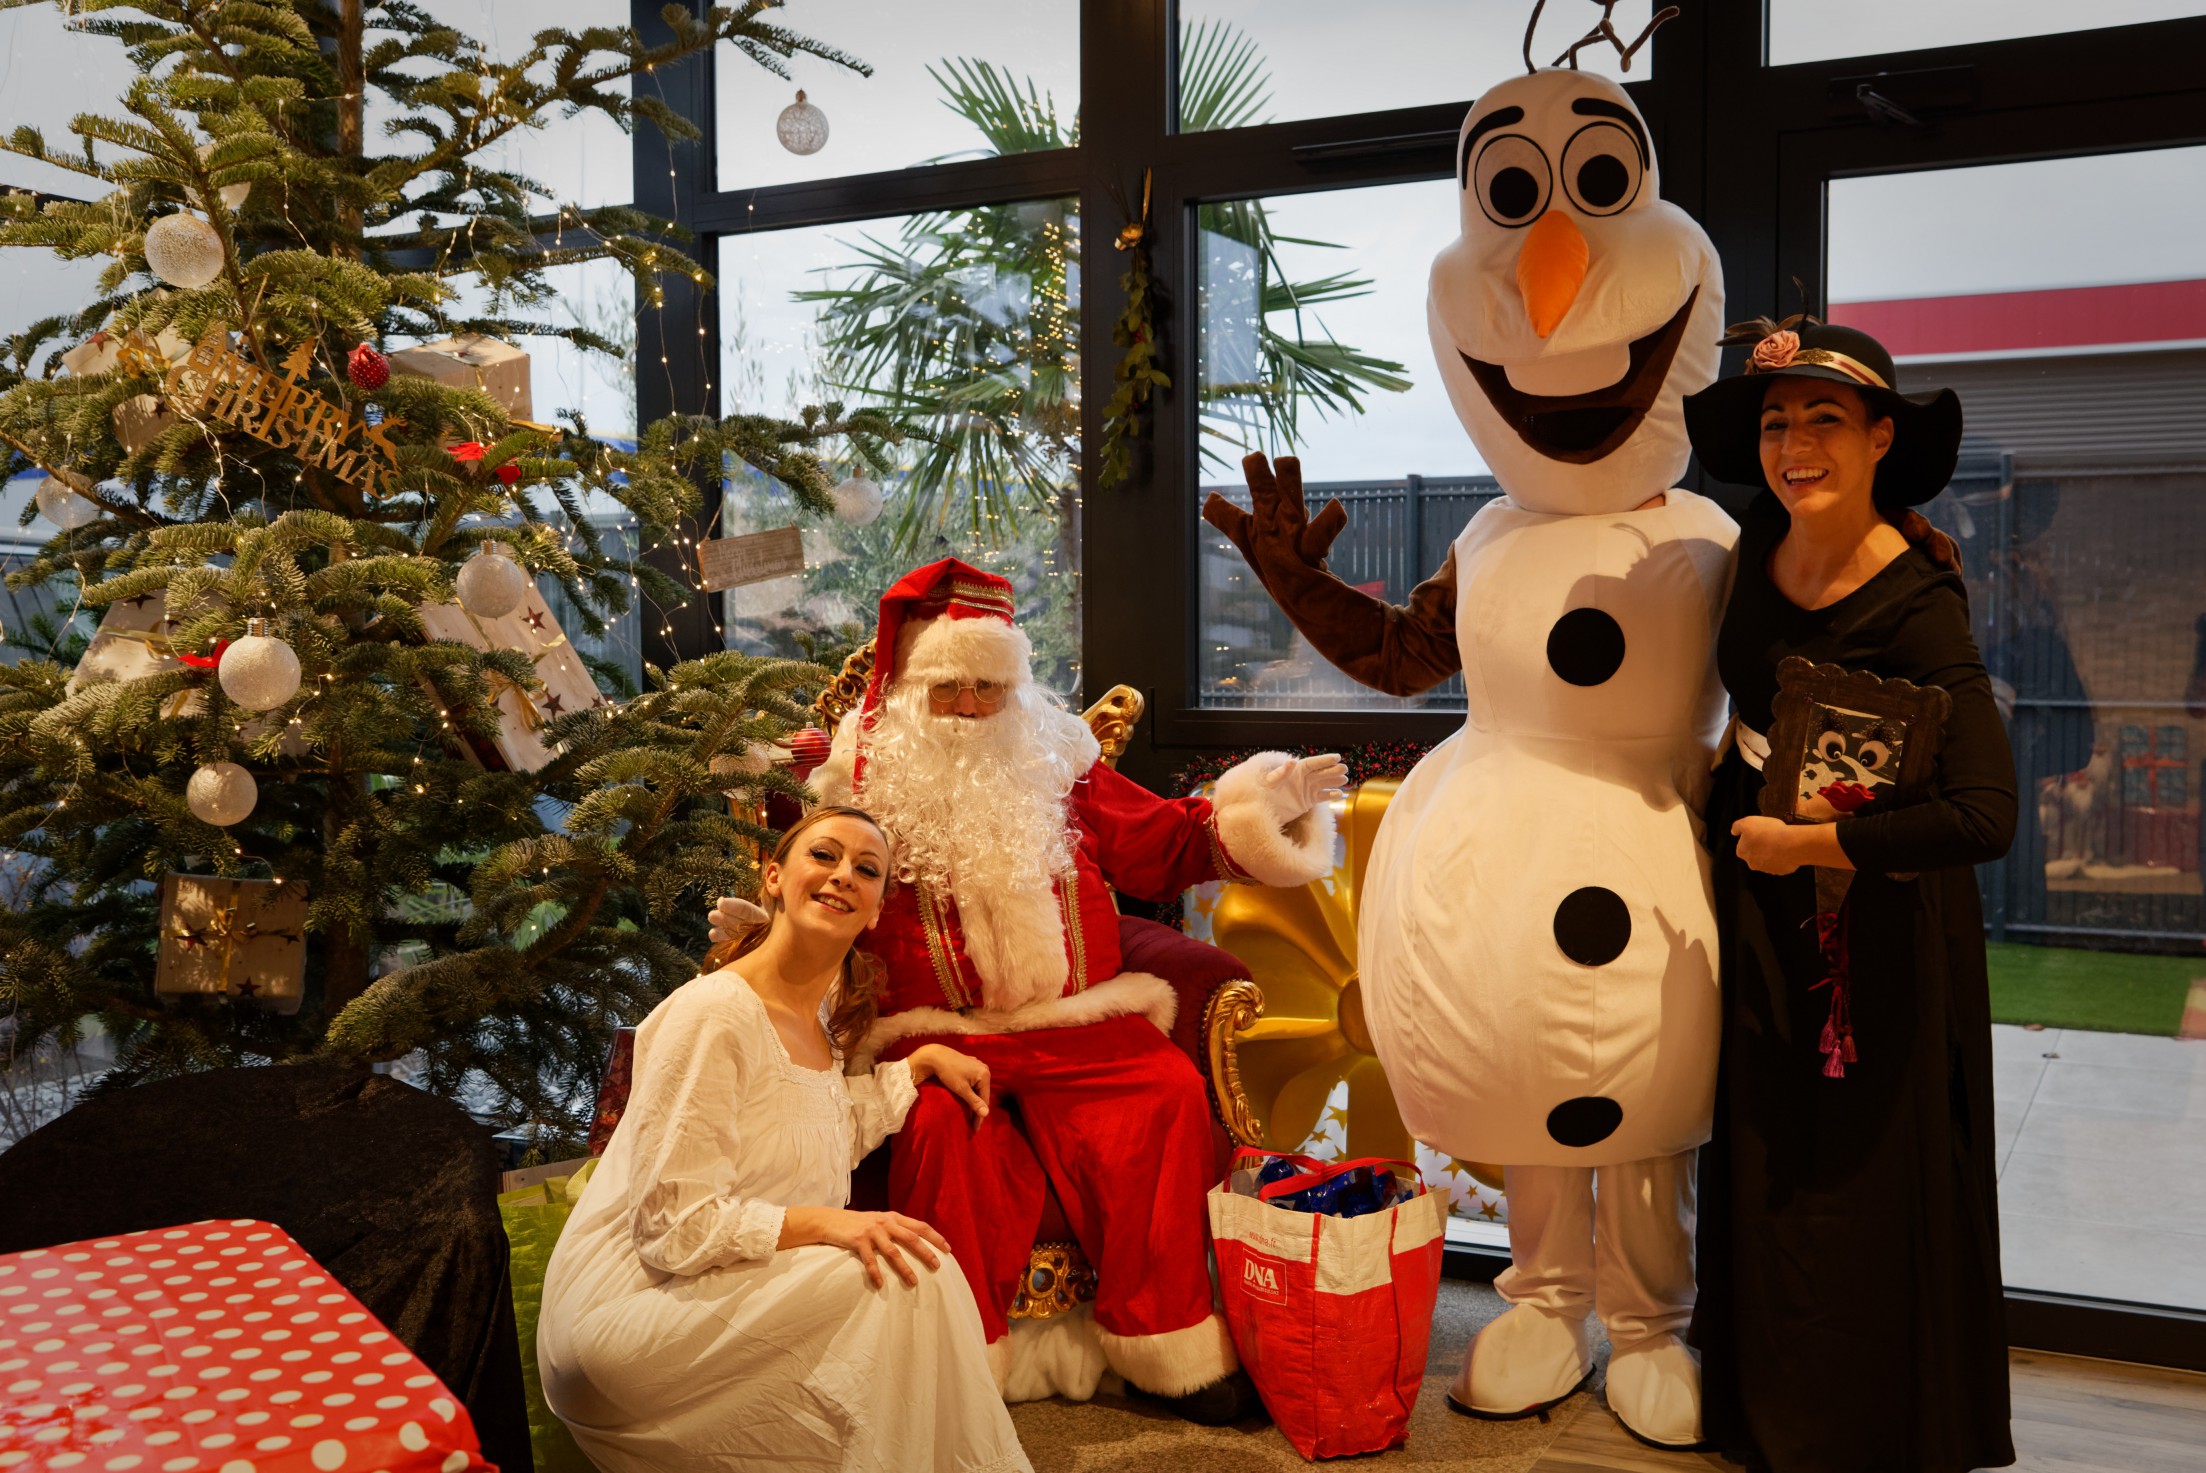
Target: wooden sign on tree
(214,382)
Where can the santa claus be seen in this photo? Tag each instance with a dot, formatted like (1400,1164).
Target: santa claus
(1011,836)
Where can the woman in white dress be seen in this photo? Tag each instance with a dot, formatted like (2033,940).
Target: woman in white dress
(711,1303)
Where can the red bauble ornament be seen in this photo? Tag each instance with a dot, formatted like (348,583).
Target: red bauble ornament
(368,369)
(810,747)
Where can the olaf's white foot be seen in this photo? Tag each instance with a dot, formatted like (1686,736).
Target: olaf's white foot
(1654,1389)
(1524,1362)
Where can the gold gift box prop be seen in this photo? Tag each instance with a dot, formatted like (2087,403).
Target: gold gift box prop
(565,680)
(133,642)
(232,938)
(473,361)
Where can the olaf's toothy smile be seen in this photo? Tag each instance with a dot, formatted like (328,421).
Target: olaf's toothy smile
(1582,428)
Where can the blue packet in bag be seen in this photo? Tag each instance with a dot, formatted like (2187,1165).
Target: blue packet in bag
(1354,1193)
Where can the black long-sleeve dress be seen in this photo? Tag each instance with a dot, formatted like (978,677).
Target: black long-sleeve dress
(1850,1315)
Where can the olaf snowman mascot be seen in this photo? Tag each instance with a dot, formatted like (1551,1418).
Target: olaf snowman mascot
(1537,942)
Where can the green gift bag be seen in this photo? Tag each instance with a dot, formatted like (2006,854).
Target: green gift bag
(533,1216)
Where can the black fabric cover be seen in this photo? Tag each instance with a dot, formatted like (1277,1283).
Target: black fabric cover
(392,1190)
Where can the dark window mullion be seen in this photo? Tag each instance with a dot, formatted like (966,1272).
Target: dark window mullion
(967,184)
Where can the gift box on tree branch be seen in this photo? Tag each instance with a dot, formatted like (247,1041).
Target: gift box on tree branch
(564,681)
(232,938)
(473,361)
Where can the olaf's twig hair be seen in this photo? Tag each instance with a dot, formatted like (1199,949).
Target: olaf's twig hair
(1605,30)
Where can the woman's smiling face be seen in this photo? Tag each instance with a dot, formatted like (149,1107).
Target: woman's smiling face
(1820,447)
(833,877)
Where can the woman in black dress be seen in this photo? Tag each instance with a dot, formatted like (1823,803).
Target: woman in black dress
(1850,1315)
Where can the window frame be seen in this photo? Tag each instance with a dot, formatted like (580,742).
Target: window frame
(1746,148)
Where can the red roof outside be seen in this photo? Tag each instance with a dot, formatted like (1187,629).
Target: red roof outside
(2024,323)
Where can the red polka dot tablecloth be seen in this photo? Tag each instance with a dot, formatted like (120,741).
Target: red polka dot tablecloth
(217,1347)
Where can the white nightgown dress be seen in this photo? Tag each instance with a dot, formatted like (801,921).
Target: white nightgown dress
(674,1335)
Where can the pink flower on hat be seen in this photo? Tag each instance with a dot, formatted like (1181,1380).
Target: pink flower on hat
(1776,351)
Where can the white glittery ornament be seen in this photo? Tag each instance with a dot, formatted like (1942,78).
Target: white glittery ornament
(858,501)
(183,250)
(59,503)
(752,761)
(491,583)
(221,793)
(233,195)
(260,672)
(802,128)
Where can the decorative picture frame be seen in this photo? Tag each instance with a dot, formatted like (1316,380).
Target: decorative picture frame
(1844,741)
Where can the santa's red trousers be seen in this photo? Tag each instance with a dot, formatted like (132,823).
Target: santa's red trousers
(1115,1117)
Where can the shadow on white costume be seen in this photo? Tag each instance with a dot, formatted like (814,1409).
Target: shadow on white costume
(676,1336)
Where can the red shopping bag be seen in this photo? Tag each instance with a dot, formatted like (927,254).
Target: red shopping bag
(1331,1315)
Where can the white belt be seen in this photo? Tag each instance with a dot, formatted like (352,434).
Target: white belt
(1752,745)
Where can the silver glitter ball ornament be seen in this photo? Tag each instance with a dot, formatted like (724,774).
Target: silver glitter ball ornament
(221,793)
(259,672)
(491,583)
(59,503)
(802,128)
(858,501)
(183,250)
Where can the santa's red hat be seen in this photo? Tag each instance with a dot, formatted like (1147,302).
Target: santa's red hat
(946,621)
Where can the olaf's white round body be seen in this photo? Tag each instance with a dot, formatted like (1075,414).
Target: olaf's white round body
(1537,937)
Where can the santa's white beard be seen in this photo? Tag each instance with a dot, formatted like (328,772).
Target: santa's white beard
(977,809)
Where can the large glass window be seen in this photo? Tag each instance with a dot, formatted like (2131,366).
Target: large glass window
(952,79)
(1272,61)
(2080,510)
(1310,324)
(966,327)
(1814,30)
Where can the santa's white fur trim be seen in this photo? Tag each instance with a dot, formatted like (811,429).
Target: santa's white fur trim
(835,779)
(1136,993)
(1176,1362)
(1262,836)
(999,1362)
(1059,1356)
(962,649)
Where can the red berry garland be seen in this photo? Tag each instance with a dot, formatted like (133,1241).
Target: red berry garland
(368,369)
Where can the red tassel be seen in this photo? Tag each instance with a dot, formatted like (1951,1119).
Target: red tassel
(1836,1043)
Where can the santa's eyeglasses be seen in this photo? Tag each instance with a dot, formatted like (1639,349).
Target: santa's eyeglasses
(987,694)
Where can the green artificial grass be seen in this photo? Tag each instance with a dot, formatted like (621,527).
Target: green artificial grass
(2105,991)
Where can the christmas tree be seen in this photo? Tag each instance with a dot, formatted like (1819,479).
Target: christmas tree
(324,666)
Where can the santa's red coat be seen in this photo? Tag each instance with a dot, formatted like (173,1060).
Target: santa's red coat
(1129,840)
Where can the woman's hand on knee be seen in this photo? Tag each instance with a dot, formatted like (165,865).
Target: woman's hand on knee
(873,1236)
(960,1074)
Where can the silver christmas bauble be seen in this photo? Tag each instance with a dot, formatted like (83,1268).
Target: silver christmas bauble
(858,501)
(59,503)
(183,250)
(802,128)
(221,793)
(491,583)
(752,761)
(259,672)
(233,195)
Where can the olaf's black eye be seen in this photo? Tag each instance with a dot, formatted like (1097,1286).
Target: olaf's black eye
(1601,168)
(1513,180)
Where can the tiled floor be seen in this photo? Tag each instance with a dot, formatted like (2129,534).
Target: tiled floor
(2102,1164)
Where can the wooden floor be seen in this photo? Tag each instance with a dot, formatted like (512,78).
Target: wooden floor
(2070,1416)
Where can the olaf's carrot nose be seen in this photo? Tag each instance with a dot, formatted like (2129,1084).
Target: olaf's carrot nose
(1551,266)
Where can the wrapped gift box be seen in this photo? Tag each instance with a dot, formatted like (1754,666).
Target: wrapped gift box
(473,361)
(102,352)
(565,681)
(232,938)
(140,421)
(131,643)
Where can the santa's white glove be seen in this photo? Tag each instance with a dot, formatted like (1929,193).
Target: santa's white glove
(733,916)
(1295,788)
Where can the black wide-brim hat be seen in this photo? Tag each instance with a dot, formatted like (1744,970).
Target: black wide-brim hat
(1724,419)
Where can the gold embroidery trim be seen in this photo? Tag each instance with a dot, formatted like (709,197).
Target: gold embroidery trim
(938,948)
(1068,900)
(1222,861)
